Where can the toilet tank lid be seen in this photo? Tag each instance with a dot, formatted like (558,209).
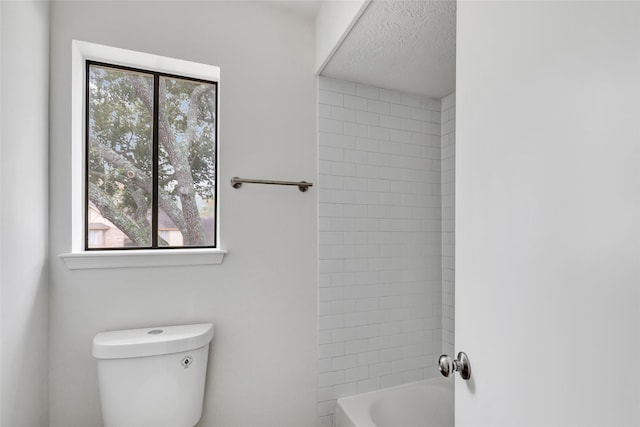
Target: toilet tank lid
(151,341)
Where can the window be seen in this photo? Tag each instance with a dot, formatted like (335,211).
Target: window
(119,186)
(150,172)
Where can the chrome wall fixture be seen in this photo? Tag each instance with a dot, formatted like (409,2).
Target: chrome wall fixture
(448,365)
(237,183)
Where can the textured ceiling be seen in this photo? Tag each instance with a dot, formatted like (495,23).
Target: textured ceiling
(402,45)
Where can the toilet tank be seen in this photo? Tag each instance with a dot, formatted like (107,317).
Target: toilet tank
(153,377)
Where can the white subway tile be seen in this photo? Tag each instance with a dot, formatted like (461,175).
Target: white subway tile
(368,304)
(330,378)
(397,135)
(391,328)
(366,91)
(355,102)
(330,98)
(368,145)
(324,365)
(386,190)
(331,350)
(324,110)
(368,331)
(391,122)
(335,85)
(367,118)
(326,421)
(346,196)
(331,294)
(367,277)
(331,265)
(367,171)
(414,100)
(354,265)
(324,224)
(343,169)
(336,307)
(391,380)
(367,224)
(390,147)
(324,280)
(344,334)
(344,362)
(356,319)
(377,132)
(343,252)
(378,159)
(336,140)
(344,390)
(432,128)
(352,183)
(344,114)
(356,346)
(422,115)
(356,238)
(380,369)
(368,198)
(356,374)
(324,252)
(402,365)
(331,126)
(379,185)
(324,167)
(366,386)
(343,279)
(355,129)
(354,156)
(378,107)
(400,111)
(355,211)
(412,376)
(330,153)
(391,174)
(343,224)
(414,125)
(368,357)
(368,252)
(324,337)
(325,393)
(392,96)
(331,182)
(390,354)
(330,322)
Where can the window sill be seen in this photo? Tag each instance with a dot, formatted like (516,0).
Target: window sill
(142,258)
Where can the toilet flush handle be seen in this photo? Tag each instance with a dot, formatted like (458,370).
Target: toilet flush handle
(448,365)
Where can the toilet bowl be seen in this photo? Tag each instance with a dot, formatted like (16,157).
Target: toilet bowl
(153,377)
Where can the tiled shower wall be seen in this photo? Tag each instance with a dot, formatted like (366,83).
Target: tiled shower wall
(448,222)
(380,240)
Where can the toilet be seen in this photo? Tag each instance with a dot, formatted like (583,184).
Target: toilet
(153,377)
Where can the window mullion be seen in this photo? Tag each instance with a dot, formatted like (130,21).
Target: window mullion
(156,156)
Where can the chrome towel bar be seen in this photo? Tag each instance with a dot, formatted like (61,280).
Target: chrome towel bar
(237,183)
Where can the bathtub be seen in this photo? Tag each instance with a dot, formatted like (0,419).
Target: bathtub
(427,403)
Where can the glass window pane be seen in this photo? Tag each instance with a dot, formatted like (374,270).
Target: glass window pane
(120,140)
(186,170)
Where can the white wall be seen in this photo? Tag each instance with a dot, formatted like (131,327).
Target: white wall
(548,209)
(263,298)
(448,167)
(334,20)
(23,217)
(380,240)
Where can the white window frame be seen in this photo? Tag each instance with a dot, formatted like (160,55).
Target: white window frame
(78,258)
